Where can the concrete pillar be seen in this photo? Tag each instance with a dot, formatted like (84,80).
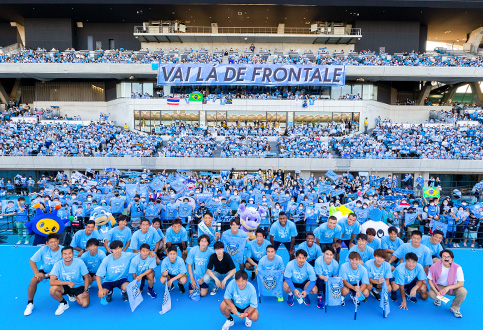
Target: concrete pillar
(477,94)
(451,92)
(474,41)
(16,90)
(3,94)
(424,94)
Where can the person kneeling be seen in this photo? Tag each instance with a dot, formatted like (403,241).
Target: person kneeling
(69,276)
(355,278)
(299,279)
(241,300)
(409,278)
(173,268)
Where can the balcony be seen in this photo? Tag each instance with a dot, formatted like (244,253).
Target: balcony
(204,34)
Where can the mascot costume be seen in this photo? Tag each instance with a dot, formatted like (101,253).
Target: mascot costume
(103,219)
(250,220)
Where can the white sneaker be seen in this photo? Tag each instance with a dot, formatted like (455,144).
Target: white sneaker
(248,322)
(71,298)
(61,309)
(213,292)
(228,324)
(456,245)
(19,242)
(26,242)
(472,245)
(29,309)
(464,244)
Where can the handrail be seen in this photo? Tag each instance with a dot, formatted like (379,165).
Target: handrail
(242,30)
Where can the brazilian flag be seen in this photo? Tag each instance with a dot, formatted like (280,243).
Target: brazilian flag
(431,192)
(196,97)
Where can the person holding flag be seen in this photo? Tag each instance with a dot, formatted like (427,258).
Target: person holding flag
(409,279)
(299,279)
(256,250)
(197,262)
(240,299)
(379,271)
(230,238)
(271,262)
(142,268)
(352,274)
(325,267)
(173,268)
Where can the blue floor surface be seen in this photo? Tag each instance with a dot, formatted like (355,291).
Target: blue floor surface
(15,274)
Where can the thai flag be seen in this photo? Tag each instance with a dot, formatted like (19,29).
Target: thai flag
(173,101)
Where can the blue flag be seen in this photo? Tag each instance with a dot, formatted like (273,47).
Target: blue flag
(270,283)
(410,218)
(438,225)
(384,304)
(235,247)
(331,175)
(477,209)
(177,185)
(156,184)
(131,190)
(333,291)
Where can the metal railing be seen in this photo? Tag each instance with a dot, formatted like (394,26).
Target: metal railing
(245,30)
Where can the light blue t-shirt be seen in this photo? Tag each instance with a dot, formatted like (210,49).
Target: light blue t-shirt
(93,262)
(375,272)
(283,234)
(47,257)
(211,230)
(327,235)
(354,276)
(139,265)
(241,298)
(347,230)
(80,238)
(386,243)
(404,276)
(151,237)
(423,253)
(199,260)
(275,264)
(434,248)
(313,252)
(255,251)
(178,267)
(175,238)
(375,244)
(115,234)
(73,273)
(366,255)
(300,274)
(115,269)
(321,267)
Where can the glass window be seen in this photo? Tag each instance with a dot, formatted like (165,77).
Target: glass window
(148,88)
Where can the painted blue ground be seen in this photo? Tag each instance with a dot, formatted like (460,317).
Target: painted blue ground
(15,275)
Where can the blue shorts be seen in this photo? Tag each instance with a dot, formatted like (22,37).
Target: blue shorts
(410,286)
(202,286)
(116,284)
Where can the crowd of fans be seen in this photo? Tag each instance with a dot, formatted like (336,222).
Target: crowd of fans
(365,57)
(61,139)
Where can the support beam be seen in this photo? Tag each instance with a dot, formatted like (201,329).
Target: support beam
(474,41)
(3,94)
(424,94)
(477,94)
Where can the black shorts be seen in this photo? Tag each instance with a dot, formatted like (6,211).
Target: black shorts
(300,285)
(202,286)
(73,291)
(410,286)
(239,310)
(180,246)
(347,243)
(116,284)
(434,256)
(312,263)
(43,272)
(92,274)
